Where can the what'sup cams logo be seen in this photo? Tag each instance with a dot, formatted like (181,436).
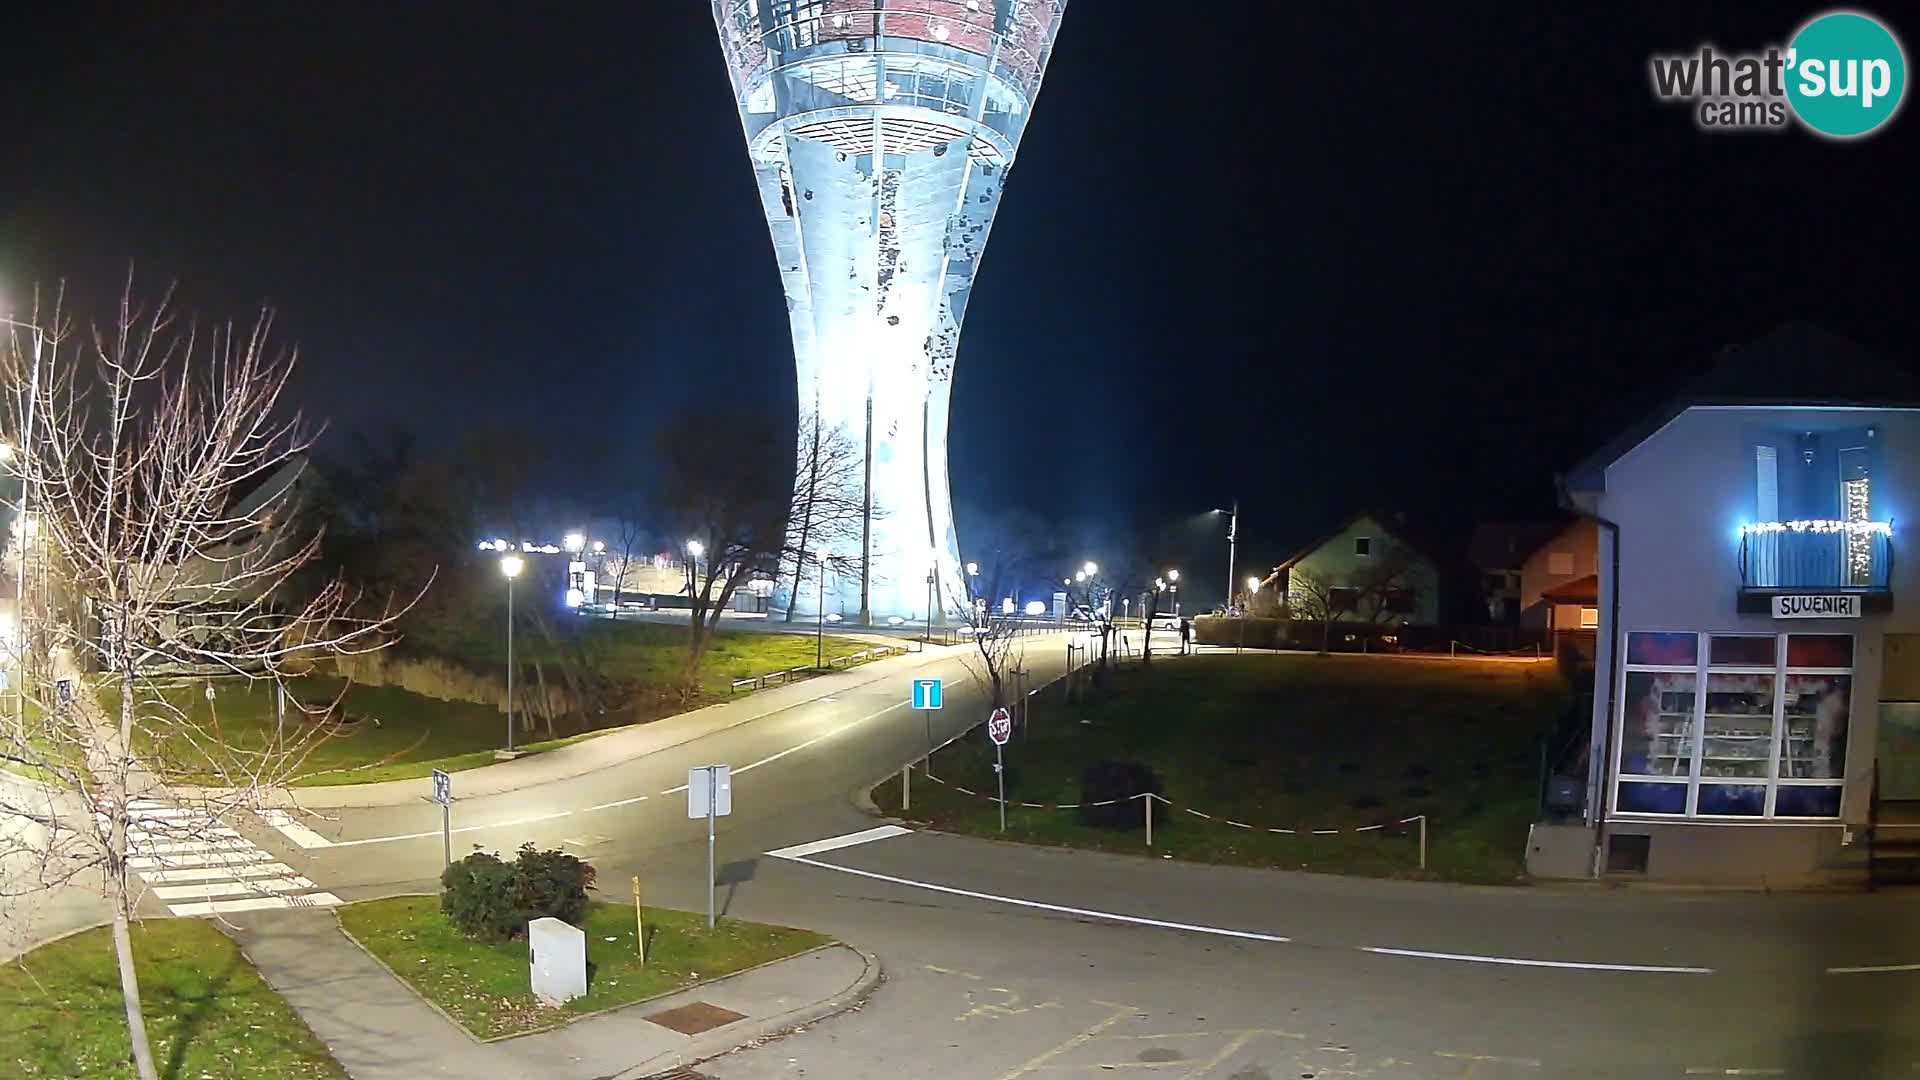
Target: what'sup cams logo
(1842,76)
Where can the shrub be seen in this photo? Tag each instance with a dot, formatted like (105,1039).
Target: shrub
(494,900)
(1119,781)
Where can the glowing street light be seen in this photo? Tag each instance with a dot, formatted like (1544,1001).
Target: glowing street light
(573,542)
(599,547)
(1079,575)
(1253,585)
(696,549)
(973,569)
(510,567)
(1090,569)
(1173,575)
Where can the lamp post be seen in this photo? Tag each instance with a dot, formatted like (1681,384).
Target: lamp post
(1233,534)
(1173,579)
(820,616)
(25,449)
(510,566)
(694,550)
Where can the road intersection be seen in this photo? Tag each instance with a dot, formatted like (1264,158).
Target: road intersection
(1011,961)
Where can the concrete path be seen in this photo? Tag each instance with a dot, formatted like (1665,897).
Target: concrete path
(380,1030)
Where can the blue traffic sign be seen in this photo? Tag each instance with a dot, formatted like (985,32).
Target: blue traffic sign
(926,693)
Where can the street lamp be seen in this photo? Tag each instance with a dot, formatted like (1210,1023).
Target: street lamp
(1091,569)
(820,617)
(694,550)
(1173,577)
(1233,534)
(573,542)
(510,567)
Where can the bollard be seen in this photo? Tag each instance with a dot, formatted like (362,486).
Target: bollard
(906,787)
(1423,841)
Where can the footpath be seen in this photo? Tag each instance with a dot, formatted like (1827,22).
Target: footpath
(379,1029)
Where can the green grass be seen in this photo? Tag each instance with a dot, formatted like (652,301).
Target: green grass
(208,1013)
(484,986)
(1299,742)
(647,654)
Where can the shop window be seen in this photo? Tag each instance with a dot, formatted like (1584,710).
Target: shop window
(1819,651)
(1734,725)
(1663,650)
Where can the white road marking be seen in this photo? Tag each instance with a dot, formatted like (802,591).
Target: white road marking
(216,873)
(611,805)
(770,758)
(294,830)
(456,832)
(1518,962)
(256,903)
(207,890)
(144,863)
(1109,916)
(1869,969)
(1709,1070)
(834,843)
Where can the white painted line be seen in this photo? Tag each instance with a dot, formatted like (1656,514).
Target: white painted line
(611,805)
(144,863)
(207,890)
(1709,1070)
(1872,968)
(770,758)
(456,832)
(1517,962)
(218,873)
(190,847)
(294,830)
(834,843)
(1135,920)
(255,903)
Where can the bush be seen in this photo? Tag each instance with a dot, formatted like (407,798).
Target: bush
(493,900)
(1260,633)
(1119,781)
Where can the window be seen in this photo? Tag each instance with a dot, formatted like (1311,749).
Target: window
(1400,601)
(1589,618)
(1363,546)
(1343,598)
(1560,563)
(1766,467)
(1734,725)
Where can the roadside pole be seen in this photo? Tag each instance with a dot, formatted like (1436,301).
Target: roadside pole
(709,795)
(443,794)
(1000,729)
(639,923)
(906,787)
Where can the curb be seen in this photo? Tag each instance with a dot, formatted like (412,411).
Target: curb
(717,1044)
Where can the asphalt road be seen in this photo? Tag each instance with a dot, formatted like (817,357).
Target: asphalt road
(1009,962)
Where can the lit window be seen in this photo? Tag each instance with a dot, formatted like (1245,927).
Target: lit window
(1589,618)
(1750,726)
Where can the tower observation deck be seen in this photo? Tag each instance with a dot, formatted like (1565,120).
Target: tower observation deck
(881,132)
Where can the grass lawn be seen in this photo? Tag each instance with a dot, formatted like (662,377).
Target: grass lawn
(484,986)
(208,1012)
(648,654)
(1287,741)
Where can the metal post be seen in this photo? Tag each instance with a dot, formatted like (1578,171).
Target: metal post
(927,715)
(820,617)
(279,714)
(1233,534)
(1000,774)
(1148,799)
(509,665)
(446,833)
(906,787)
(1423,841)
(713,784)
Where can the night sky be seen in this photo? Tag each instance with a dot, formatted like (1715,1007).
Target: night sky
(1321,257)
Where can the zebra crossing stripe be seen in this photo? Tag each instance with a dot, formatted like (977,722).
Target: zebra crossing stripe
(256,903)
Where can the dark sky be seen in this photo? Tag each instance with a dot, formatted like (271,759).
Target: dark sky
(1329,256)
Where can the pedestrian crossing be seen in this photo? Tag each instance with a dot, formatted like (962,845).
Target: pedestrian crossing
(199,866)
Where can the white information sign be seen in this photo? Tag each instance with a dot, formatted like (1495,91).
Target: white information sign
(442,787)
(1817,606)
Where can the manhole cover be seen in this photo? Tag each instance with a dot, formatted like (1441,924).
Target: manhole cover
(695,1018)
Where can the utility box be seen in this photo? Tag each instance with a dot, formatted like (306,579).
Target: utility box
(557,955)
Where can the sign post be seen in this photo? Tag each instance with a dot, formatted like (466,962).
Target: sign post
(1000,729)
(639,923)
(443,794)
(926,698)
(709,795)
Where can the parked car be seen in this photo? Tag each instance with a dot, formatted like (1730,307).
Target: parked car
(1166,620)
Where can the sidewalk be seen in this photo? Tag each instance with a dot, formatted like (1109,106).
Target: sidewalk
(626,744)
(380,1030)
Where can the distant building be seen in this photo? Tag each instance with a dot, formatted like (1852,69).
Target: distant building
(1559,587)
(1366,572)
(1498,552)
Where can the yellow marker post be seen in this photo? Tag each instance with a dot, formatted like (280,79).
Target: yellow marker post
(639,923)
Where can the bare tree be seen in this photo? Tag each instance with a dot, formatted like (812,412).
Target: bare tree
(630,534)
(828,507)
(159,477)
(997,646)
(1315,598)
(1385,587)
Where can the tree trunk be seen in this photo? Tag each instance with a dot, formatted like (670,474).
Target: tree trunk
(117,871)
(546,699)
(1146,639)
(806,519)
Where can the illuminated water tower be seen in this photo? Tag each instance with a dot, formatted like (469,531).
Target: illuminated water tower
(881,132)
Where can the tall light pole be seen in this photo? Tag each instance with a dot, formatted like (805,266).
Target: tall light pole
(694,550)
(1173,583)
(26,490)
(1233,534)
(820,616)
(510,567)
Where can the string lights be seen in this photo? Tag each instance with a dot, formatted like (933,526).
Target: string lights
(1867,528)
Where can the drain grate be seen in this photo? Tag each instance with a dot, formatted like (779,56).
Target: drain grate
(695,1018)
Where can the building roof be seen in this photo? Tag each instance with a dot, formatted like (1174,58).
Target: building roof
(1504,545)
(1799,364)
(1584,590)
(1393,525)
